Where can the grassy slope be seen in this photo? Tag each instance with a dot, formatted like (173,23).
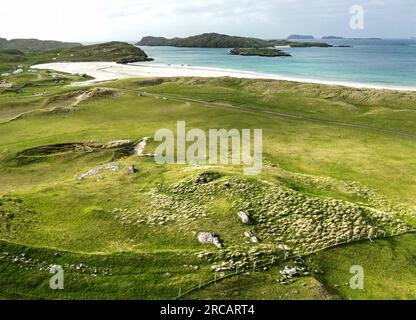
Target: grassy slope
(77,216)
(215,40)
(34,45)
(314,147)
(120,52)
(389,268)
(112,51)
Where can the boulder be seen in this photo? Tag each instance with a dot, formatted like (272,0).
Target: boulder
(113,166)
(132,170)
(140,146)
(207,177)
(18,71)
(244,217)
(250,233)
(254,240)
(209,238)
(283,247)
(289,272)
(117,143)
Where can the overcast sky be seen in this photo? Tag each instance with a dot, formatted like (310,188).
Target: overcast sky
(129,20)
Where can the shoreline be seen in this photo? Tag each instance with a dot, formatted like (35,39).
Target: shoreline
(109,71)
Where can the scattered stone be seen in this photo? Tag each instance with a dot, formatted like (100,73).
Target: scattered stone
(140,146)
(289,272)
(283,247)
(209,238)
(113,166)
(132,169)
(9,215)
(116,144)
(207,177)
(250,233)
(18,71)
(254,240)
(244,217)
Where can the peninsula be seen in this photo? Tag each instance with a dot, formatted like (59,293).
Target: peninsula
(216,40)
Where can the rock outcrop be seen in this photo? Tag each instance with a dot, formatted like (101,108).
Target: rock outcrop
(209,238)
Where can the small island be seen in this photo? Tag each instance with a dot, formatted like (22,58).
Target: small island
(260,52)
(333,38)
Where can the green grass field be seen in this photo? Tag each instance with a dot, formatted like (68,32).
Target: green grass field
(337,188)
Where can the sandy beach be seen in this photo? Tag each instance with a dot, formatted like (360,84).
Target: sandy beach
(107,71)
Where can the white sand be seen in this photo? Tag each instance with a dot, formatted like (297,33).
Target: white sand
(106,71)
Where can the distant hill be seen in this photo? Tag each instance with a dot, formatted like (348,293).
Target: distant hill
(300,37)
(366,39)
(206,40)
(333,38)
(155,41)
(34,45)
(119,52)
(298,44)
(216,40)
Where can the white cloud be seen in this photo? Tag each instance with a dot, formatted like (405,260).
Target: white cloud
(99,20)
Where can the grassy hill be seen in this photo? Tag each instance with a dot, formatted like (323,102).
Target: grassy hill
(119,52)
(335,189)
(33,45)
(215,40)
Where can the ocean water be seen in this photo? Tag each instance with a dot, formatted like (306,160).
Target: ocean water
(376,62)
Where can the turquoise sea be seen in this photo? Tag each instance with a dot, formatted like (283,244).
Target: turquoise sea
(376,62)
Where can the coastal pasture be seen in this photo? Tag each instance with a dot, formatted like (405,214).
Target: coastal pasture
(301,146)
(388,264)
(389,273)
(30,92)
(96,220)
(344,133)
(132,276)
